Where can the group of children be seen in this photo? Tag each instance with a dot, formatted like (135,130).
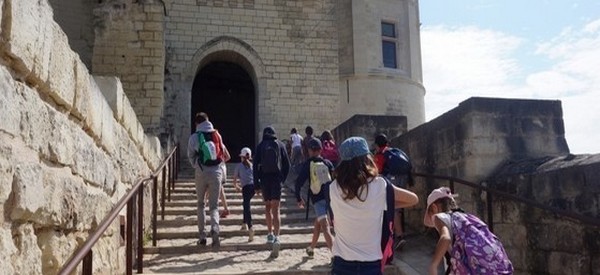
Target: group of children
(354,194)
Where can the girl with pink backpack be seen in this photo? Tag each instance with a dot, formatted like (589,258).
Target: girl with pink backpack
(466,242)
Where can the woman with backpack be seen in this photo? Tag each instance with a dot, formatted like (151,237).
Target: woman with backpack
(358,198)
(465,241)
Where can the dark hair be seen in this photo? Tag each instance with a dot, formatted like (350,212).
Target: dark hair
(446,204)
(354,176)
(381,140)
(294,131)
(200,117)
(308,130)
(326,135)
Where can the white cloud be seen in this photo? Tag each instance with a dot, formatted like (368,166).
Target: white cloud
(463,62)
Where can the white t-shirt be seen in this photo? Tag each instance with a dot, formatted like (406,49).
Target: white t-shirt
(296,140)
(358,223)
(446,219)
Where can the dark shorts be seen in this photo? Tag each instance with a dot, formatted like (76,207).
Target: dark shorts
(271,188)
(342,267)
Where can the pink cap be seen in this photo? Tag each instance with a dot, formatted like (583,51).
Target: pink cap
(436,194)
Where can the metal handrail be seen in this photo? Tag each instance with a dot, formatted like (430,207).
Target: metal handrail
(85,251)
(493,192)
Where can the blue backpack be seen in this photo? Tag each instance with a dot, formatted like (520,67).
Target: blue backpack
(397,164)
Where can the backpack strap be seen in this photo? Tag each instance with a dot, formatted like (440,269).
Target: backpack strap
(387,228)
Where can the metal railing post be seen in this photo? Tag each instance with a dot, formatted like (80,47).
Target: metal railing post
(490,210)
(163,190)
(87,268)
(452,186)
(129,242)
(140,231)
(154,208)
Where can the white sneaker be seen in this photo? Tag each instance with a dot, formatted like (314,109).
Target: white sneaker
(250,235)
(276,247)
(244,227)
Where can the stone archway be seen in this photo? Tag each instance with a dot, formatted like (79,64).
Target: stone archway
(227,53)
(225,91)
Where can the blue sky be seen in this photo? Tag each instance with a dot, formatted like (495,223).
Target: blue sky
(534,49)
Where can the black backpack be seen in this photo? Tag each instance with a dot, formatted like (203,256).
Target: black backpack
(270,158)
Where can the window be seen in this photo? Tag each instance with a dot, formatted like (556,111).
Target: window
(388,44)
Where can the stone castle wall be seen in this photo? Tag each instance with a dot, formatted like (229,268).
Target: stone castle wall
(538,241)
(130,44)
(473,140)
(289,48)
(70,145)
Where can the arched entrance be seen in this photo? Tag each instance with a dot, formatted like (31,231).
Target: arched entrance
(225,91)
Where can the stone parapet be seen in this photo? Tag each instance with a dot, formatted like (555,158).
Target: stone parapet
(69,145)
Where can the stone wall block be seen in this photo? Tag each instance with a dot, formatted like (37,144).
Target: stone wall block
(6,171)
(56,249)
(82,93)
(513,235)
(61,78)
(27,261)
(7,249)
(560,263)
(93,164)
(60,141)
(29,41)
(27,184)
(131,163)
(8,98)
(109,124)
(112,89)
(93,110)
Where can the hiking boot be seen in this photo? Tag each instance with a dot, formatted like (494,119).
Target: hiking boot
(310,252)
(250,235)
(399,243)
(224,214)
(201,242)
(270,238)
(276,247)
(216,243)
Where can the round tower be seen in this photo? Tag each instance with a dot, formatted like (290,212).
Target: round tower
(380,59)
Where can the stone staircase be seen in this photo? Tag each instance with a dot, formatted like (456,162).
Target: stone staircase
(177,252)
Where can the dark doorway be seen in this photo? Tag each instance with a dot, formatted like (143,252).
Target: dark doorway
(225,92)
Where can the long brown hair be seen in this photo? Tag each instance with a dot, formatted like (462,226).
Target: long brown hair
(354,175)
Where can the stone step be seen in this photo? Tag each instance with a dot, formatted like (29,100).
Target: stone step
(233,210)
(230,221)
(290,262)
(232,202)
(193,197)
(187,246)
(192,232)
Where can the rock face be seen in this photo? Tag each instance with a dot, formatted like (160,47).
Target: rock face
(68,147)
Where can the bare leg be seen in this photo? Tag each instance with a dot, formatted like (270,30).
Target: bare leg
(398,230)
(315,234)
(276,217)
(268,217)
(324,225)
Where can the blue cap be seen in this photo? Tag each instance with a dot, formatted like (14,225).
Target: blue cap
(353,147)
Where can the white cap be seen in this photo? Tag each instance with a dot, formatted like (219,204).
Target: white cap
(245,152)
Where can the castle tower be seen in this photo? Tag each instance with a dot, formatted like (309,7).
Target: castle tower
(380,59)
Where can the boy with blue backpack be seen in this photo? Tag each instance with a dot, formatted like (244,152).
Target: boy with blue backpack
(318,172)
(395,166)
(466,242)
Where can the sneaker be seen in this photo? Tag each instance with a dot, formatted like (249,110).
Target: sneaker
(399,243)
(276,247)
(244,227)
(270,238)
(310,252)
(250,235)
(224,214)
(216,243)
(201,242)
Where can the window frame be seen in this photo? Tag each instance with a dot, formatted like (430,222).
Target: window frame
(389,39)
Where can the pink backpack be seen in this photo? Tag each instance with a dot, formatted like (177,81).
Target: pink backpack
(475,249)
(330,151)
